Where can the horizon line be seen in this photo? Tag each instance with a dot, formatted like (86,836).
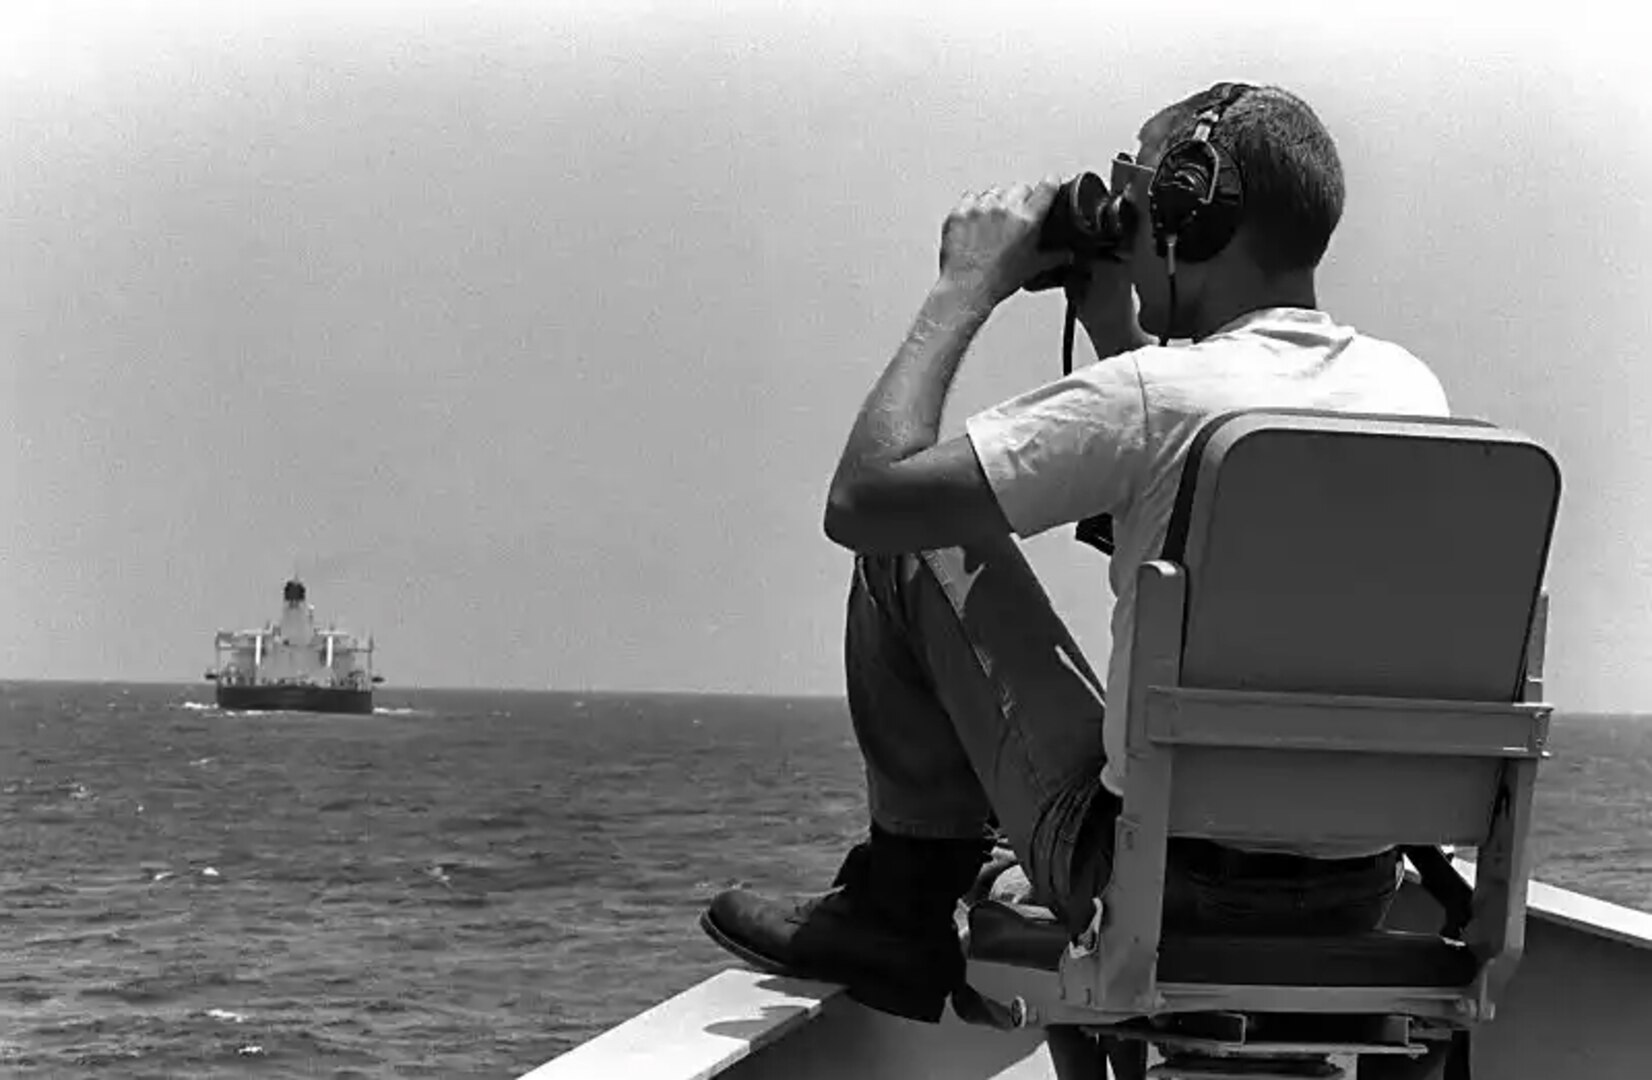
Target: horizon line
(617,691)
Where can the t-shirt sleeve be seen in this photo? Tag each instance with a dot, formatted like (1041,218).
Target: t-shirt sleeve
(1067,450)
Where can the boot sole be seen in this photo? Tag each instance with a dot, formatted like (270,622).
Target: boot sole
(905,1001)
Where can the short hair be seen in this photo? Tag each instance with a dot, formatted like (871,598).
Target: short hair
(1287,160)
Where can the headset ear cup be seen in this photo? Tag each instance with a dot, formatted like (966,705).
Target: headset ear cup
(1184,205)
(1178,185)
(1174,201)
(1216,221)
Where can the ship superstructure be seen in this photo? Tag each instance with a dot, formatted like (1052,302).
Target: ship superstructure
(291,664)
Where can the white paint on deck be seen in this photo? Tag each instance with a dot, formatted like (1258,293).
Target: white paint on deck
(697,1034)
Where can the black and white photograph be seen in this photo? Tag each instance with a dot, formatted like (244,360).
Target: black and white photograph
(825,540)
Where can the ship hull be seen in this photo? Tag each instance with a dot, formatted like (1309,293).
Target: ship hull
(295,698)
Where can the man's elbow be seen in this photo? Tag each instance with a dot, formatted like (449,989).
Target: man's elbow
(842,520)
(870,518)
(866,516)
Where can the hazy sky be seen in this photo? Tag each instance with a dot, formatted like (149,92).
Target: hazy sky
(529,332)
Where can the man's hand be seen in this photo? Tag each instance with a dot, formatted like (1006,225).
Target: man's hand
(989,243)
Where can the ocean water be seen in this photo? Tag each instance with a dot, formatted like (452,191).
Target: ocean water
(464,884)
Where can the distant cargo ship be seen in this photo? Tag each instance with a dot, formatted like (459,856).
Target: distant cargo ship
(290,665)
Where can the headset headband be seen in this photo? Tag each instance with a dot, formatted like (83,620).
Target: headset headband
(1207,120)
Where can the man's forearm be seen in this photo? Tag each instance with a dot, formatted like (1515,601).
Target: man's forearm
(902,414)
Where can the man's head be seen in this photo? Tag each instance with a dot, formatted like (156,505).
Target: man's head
(1286,164)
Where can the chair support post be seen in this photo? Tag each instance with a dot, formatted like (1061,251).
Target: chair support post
(1498,930)
(1118,975)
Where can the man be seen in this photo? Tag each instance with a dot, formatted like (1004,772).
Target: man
(969,698)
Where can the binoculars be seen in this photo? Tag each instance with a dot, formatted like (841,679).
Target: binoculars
(1087,220)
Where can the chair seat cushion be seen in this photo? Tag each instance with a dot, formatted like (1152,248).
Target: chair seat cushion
(1003,934)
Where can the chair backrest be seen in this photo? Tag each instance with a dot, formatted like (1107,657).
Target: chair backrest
(1357,556)
(1364,555)
(1334,653)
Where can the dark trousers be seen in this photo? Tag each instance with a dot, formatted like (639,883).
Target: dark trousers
(972,703)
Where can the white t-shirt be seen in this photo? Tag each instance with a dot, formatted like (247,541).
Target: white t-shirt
(1111,438)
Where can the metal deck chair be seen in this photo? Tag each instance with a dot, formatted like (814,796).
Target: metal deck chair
(1342,643)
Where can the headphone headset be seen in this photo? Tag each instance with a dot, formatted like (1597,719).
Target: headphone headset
(1197,195)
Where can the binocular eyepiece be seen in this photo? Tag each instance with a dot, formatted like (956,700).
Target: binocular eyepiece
(1085,220)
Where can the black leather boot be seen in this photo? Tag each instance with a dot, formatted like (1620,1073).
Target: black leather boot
(886,930)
